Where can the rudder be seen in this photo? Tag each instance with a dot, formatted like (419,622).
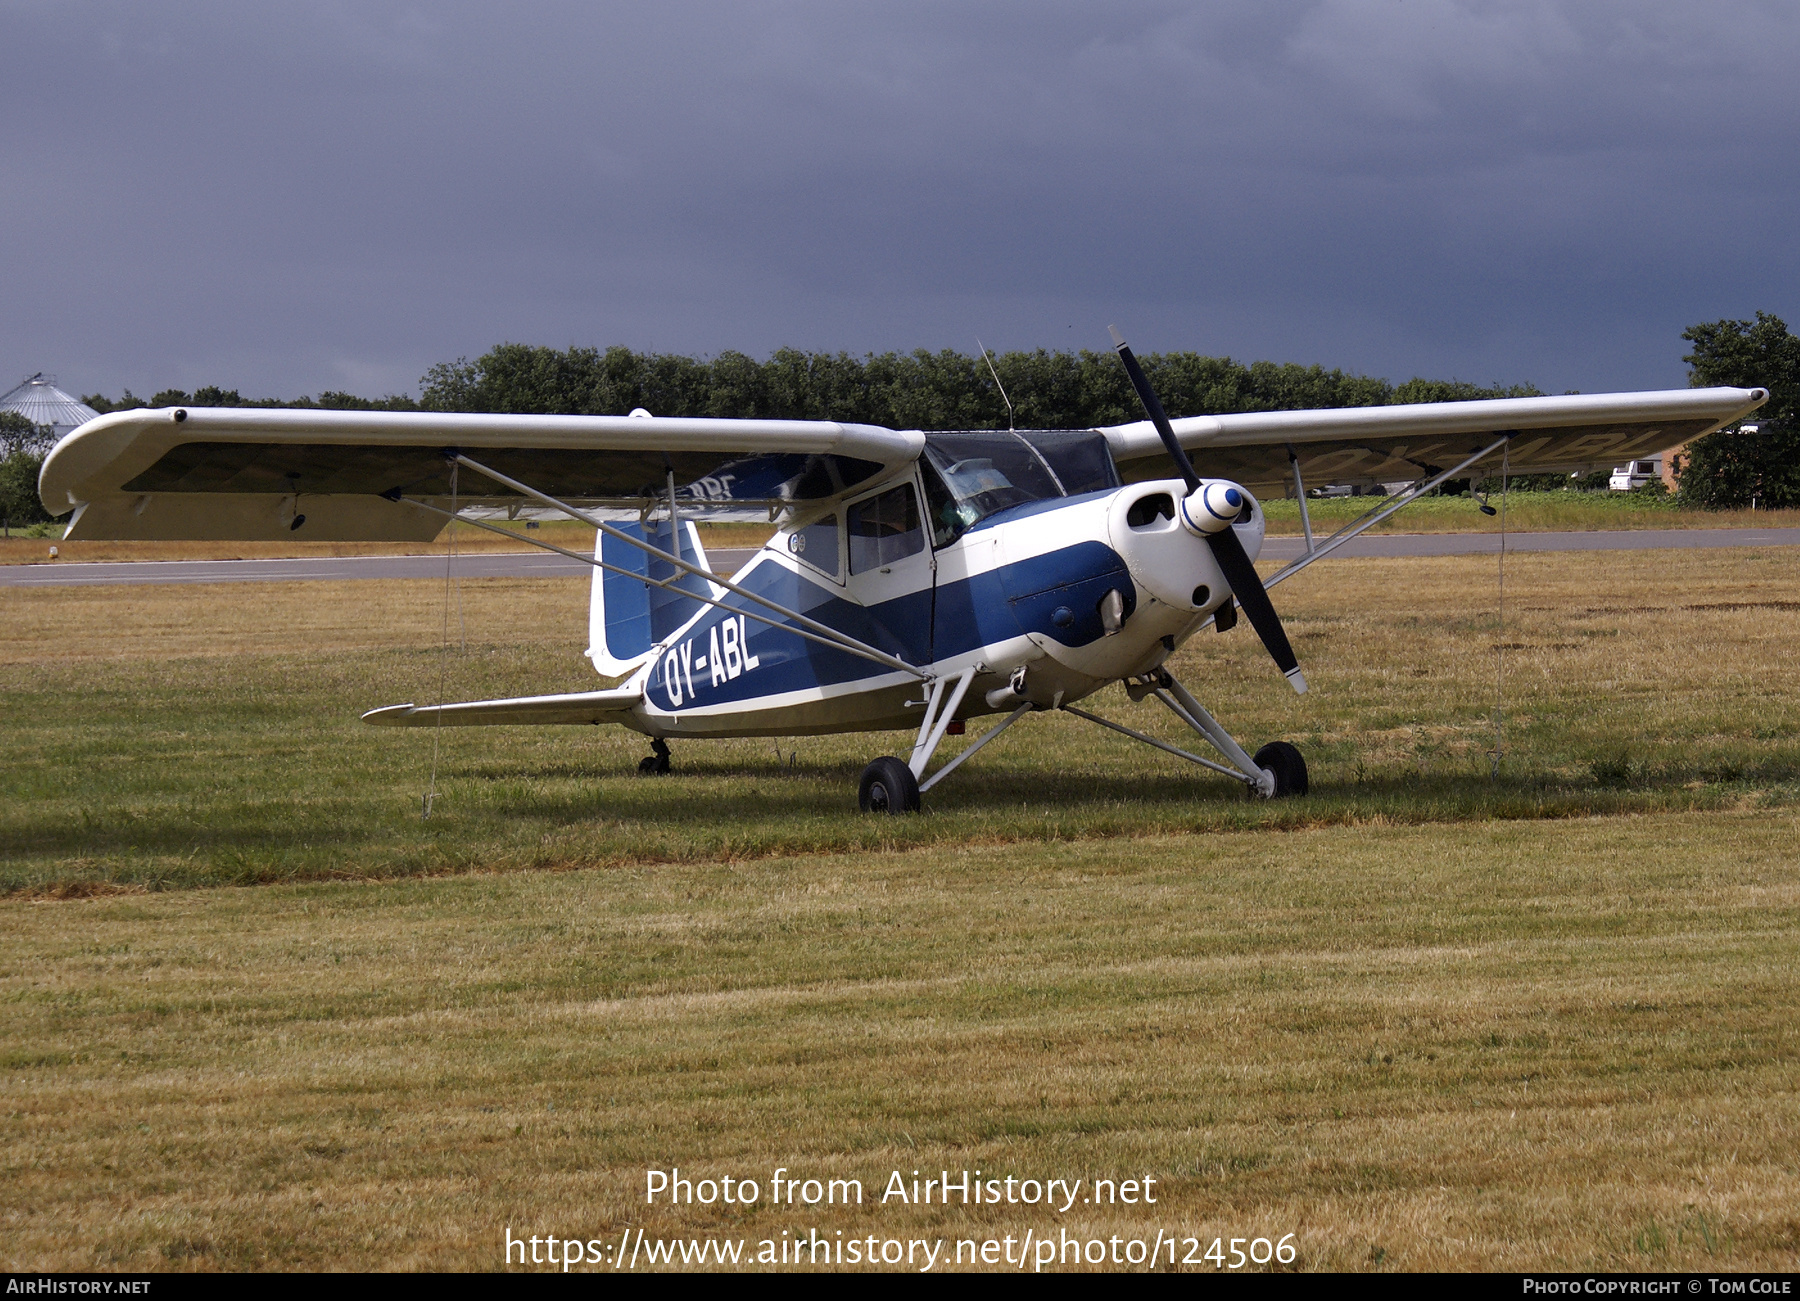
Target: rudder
(626,615)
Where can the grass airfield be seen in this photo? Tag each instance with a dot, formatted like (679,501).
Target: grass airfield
(260,1015)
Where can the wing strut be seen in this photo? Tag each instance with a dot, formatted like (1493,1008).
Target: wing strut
(1300,493)
(800,624)
(1405,497)
(852,646)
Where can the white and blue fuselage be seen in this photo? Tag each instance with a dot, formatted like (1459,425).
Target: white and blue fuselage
(1077,591)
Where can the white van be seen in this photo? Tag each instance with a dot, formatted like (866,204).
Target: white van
(1634,474)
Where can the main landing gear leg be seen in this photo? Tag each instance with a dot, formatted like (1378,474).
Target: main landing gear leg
(890,786)
(658,761)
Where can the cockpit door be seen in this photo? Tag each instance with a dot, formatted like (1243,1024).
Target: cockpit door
(890,569)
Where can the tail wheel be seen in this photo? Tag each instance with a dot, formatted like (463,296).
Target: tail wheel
(888,786)
(1289,768)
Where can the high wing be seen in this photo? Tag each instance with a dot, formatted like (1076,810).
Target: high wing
(245,474)
(257,473)
(1574,433)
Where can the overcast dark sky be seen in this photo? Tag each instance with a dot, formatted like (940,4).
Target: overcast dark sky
(286,198)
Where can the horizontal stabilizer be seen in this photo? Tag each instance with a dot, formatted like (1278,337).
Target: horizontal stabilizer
(574,707)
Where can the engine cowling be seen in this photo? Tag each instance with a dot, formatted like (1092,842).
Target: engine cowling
(1167,555)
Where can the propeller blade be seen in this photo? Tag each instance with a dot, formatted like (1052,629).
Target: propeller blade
(1247,587)
(1153,407)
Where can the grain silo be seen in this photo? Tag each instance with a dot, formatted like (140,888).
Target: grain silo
(41,402)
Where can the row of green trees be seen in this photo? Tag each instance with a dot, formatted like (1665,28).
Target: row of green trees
(210,396)
(917,390)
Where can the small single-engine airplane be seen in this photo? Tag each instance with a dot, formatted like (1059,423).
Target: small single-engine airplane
(915,580)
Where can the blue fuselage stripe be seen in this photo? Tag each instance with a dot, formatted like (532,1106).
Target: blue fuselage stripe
(1056,594)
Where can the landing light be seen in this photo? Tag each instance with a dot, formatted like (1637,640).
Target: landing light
(1112,611)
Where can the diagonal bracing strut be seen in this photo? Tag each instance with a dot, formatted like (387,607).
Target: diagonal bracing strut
(831,636)
(969,753)
(652,582)
(1147,739)
(1405,497)
(1180,702)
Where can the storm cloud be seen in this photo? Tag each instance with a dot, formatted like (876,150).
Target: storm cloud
(290,198)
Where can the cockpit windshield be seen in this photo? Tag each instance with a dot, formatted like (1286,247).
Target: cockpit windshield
(979,474)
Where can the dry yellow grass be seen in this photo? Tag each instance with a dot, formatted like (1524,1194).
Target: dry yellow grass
(192,734)
(1526,512)
(1650,631)
(58,624)
(1506,1046)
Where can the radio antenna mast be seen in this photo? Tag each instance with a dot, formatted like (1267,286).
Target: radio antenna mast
(1010,422)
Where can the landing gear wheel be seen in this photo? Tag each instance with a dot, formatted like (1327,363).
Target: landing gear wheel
(888,786)
(1289,768)
(658,763)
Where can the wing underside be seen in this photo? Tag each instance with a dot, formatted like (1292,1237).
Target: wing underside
(1369,445)
(232,473)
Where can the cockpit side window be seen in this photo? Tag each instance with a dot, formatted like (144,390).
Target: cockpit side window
(941,506)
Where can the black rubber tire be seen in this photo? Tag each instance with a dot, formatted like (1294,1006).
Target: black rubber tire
(888,786)
(1286,763)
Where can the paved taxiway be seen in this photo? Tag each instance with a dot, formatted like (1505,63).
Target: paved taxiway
(546,564)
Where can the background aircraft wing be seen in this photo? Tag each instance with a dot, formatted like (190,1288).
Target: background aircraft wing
(573,707)
(1571,434)
(257,473)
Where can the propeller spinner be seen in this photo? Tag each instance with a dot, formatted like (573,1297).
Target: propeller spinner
(1208,511)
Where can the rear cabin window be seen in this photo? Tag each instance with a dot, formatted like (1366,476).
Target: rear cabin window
(885,529)
(817,544)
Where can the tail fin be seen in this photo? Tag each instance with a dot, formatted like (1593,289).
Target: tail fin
(627,616)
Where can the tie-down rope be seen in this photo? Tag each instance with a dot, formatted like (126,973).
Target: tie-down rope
(1500,640)
(451,580)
